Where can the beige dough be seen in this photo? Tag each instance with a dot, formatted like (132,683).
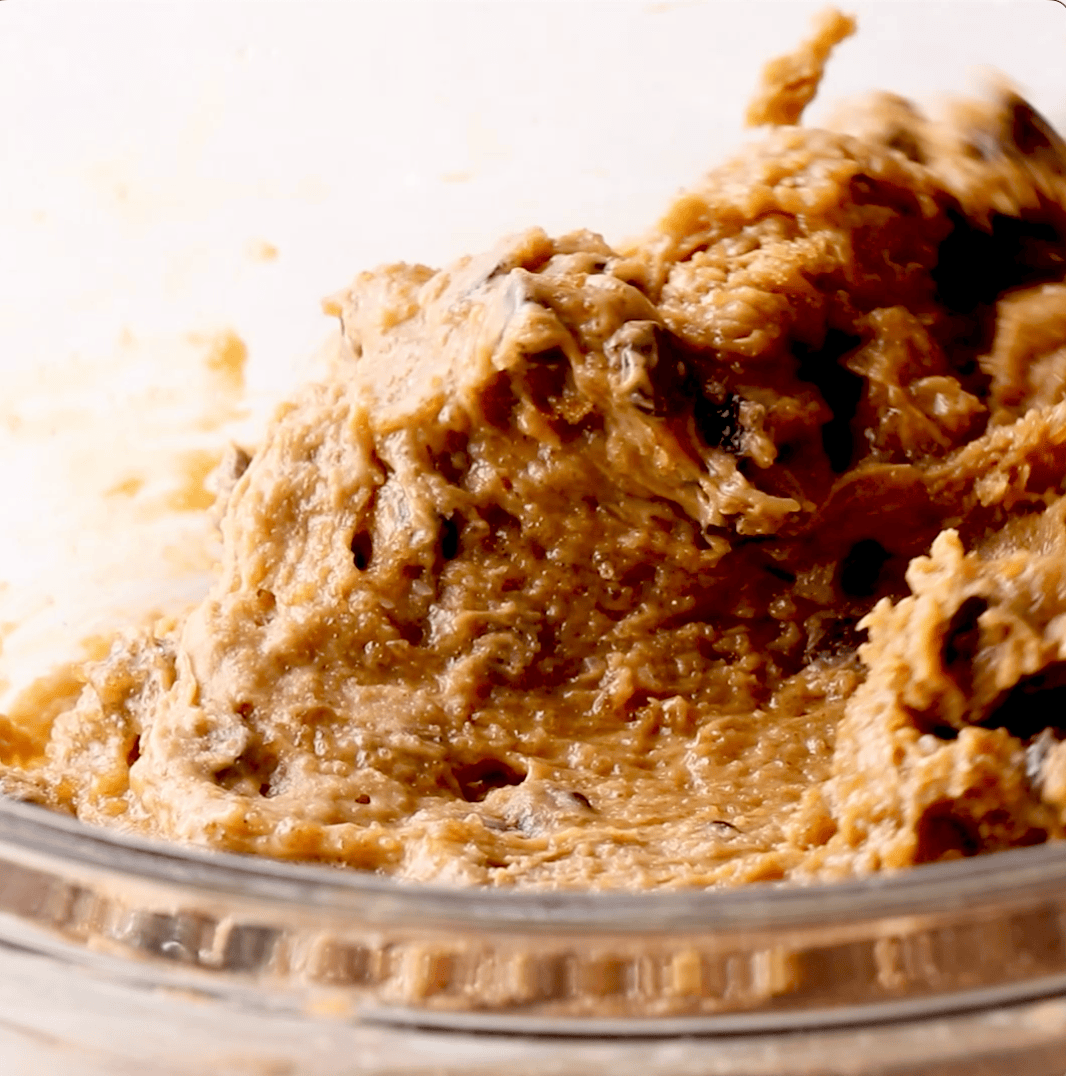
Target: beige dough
(738,554)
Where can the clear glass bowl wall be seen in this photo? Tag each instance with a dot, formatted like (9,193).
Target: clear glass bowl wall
(121,956)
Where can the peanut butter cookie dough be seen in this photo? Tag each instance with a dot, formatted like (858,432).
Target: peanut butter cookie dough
(737,554)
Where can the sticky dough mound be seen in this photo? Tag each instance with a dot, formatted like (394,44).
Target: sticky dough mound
(737,554)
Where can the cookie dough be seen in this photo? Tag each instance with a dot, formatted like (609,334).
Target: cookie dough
(735,554)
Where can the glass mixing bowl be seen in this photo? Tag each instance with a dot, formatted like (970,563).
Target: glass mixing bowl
(122,956)
(178,167)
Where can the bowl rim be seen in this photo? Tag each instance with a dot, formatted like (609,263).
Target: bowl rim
(992,880)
